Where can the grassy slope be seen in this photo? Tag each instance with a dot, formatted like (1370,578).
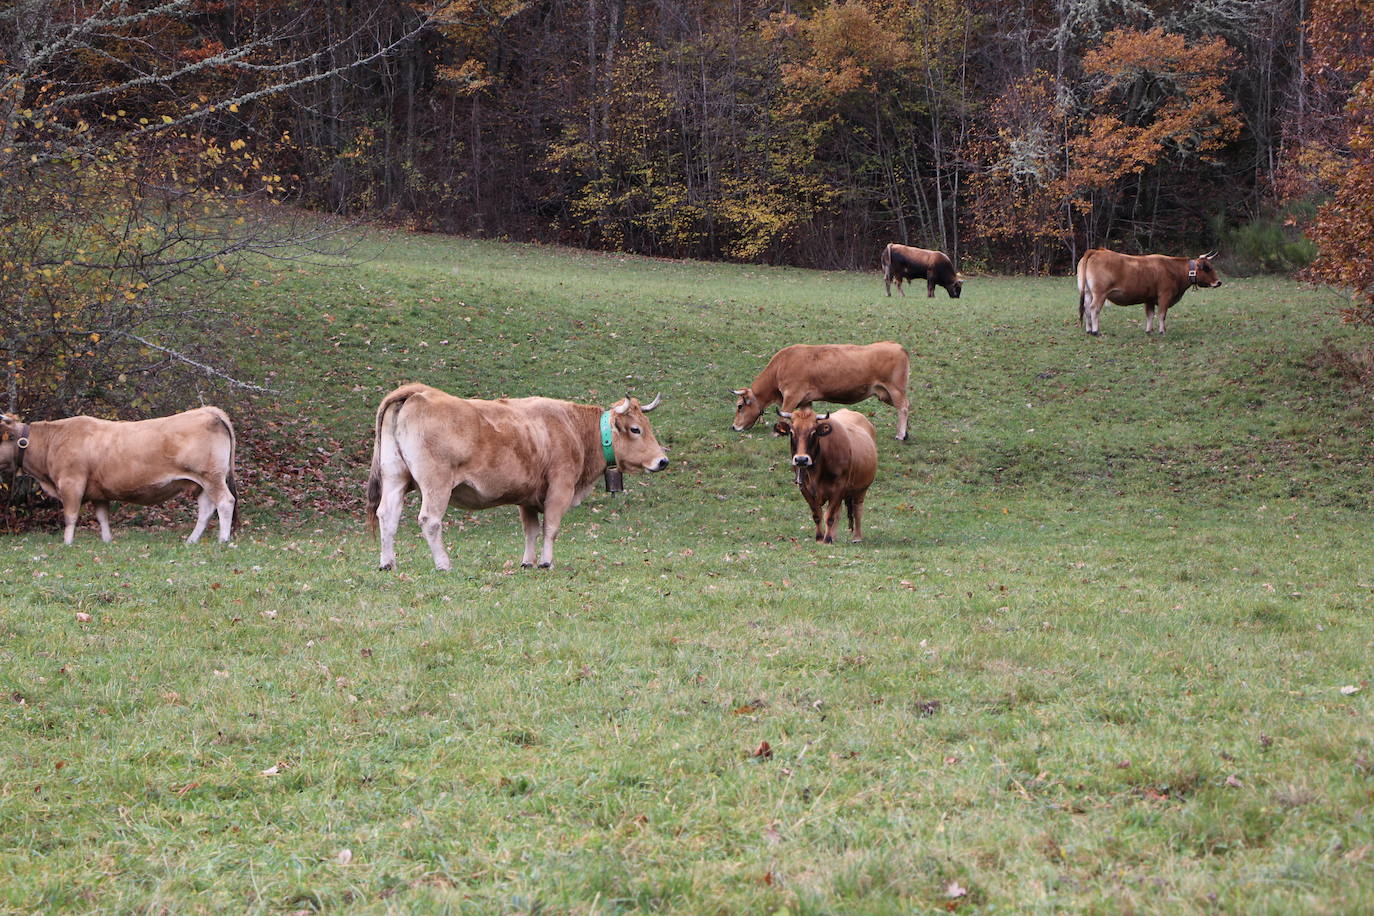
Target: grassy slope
(1103,578)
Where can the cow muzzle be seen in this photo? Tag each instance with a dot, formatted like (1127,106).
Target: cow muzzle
(801,461)
(659,465)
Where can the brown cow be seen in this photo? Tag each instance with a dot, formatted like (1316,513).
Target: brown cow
(836,458)
(840,373)
(536,453)
(146,462)
(1155,280)
(902,262)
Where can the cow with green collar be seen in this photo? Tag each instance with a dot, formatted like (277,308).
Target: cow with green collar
(539,454)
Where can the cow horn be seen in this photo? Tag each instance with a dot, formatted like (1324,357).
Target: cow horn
(738,391)
(1209,255)
(786,415)
(658,399)
(823,416)
(622,407)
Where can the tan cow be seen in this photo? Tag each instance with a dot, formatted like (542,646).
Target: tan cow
(903,262)
(1156,280)
(836,458)
(538,454)
(146,462)
(839,373)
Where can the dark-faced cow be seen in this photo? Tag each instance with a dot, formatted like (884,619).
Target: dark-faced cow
(1155,280)
(839,373)
(146,462)
(902,262)
(538,454)
(836,457)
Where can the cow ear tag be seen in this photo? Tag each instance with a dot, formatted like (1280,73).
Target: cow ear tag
(615,480)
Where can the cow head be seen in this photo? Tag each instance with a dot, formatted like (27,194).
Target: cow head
(748,409)
(956,286)
(11,428)
(805,427)
(1202,273)
(632,437)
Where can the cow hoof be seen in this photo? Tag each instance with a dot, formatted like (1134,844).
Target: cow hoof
(527,566)
(828,540)
(546,566)
(386,567)
(900,438)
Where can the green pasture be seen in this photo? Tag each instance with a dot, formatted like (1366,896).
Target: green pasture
(1106,646)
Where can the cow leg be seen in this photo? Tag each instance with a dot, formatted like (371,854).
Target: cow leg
(1094,311)
(223,499)
(433,504)
(855,504)
(1149,317)
(887,283)
(832,517)
(102,515)
(930,288)
(898,400)
(205,507)
(555,505)
(1163,311)
(529,520)
(71,509)
(389,517)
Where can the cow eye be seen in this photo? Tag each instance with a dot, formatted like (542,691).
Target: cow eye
(636,430)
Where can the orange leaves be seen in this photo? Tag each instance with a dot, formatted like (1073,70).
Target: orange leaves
(1159,96)
(846,47)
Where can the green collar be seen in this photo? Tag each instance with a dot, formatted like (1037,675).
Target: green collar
(606,448)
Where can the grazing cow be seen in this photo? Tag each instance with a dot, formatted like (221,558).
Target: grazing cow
(146,462)
(1156,280)
(902,262)
(840,373)
(836,457)
(538,454)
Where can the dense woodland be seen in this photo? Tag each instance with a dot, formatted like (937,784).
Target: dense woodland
(141,141)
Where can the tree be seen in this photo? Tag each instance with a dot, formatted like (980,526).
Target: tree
(1341,154)
(129,188)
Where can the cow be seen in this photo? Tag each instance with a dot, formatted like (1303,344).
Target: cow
(145,462)
(836,457)
(902,262)
(539,454)
(1156,280)
(840,373)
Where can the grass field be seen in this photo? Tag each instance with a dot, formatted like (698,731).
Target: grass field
(1106,647)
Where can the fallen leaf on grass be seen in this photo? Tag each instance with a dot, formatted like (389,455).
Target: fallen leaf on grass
(954,890)
(344,857)
(764,751)
(1348,689)
(1234,781)
(273,770)
(83,617)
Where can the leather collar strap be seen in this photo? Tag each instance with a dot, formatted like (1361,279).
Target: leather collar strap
(21,443)
(606,448)
(1192,270)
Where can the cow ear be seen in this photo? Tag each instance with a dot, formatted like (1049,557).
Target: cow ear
(782,428)
(823,429)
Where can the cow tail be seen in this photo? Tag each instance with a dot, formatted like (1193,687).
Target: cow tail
(886,261)
(374,477)
(231,480)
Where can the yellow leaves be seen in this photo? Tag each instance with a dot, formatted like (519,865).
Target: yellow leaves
(234,107)
(95,338)
(237,144)
(166,119)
